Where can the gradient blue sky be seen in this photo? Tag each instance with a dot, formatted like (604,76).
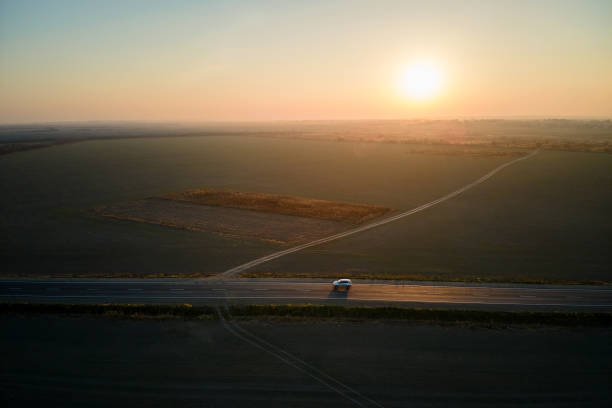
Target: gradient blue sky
(268,60)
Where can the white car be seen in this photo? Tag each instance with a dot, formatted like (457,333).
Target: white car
(342,283)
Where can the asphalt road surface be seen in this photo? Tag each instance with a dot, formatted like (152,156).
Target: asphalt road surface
(213,291)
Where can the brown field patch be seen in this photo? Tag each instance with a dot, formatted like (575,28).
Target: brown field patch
(279,204)
(228,222)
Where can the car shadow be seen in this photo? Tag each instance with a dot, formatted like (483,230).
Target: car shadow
(338,294)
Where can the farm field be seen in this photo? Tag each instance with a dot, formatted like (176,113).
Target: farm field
(48,201)
(266,217)
(278,204)
(228,222)
(544,219)
(428,135)
(96,362)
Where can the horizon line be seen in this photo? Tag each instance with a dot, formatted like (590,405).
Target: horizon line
(263,121)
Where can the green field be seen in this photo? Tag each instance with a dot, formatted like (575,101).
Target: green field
(49,194)
(546,218)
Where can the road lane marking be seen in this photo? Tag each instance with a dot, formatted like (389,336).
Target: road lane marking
(247,283)
(292,298)
(275,255)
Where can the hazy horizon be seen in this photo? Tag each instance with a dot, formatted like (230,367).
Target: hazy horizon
(264,121)
(195,122)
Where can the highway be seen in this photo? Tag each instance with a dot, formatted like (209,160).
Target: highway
(215,291)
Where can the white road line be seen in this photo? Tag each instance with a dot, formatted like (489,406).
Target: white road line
(275,255)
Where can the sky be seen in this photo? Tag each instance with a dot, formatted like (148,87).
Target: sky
(302,60)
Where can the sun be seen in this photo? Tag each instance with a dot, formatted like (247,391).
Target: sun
(420,81)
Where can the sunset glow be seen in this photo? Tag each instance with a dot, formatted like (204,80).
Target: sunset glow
(420,81)
(242,60)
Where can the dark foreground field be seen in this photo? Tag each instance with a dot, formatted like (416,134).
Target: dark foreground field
(55,361)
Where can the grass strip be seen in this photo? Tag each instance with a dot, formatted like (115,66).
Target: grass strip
(280,275)
(321,312)
(185,311)
(436,316)
(118,275)
(422,278)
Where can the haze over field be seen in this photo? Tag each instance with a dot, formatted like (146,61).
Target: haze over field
(278,60)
